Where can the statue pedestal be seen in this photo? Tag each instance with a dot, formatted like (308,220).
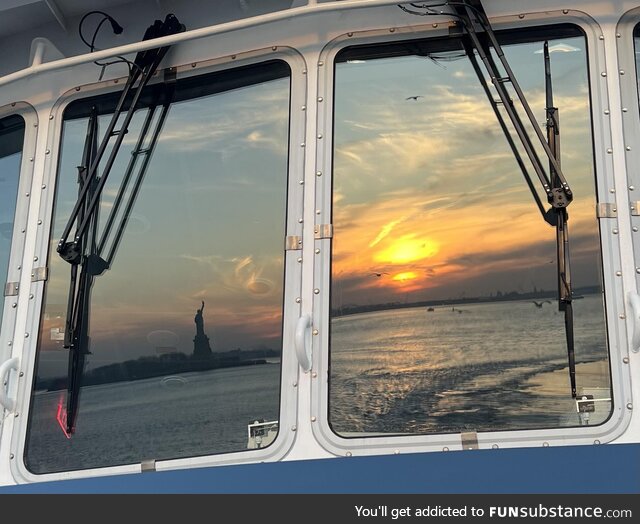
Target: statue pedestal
(201,347)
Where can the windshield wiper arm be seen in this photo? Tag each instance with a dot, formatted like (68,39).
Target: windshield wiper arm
(84,253)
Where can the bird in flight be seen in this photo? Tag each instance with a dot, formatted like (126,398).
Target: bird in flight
(539,304)
(379,274)
(414,97)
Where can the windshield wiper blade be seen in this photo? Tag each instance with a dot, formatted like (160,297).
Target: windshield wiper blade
(84,253)
(565,294)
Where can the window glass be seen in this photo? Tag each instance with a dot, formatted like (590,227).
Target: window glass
(185,327)
(444,304)
(11,140)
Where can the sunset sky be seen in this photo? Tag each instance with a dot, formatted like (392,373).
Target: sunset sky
(429,202)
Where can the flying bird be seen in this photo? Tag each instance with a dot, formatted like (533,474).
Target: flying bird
(379,274)
(539,304)
(414,97)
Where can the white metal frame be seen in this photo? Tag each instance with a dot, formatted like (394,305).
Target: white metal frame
(293,269)
(615,308)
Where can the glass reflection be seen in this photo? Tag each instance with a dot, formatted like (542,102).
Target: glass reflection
(186,325)
(444,282)
(11,140)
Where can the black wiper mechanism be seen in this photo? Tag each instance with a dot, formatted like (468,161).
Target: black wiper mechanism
(479,38)
(85,252)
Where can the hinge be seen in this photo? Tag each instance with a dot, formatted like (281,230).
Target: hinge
(39,274)
(323,231)
(293,243)
(11,289)
(606,211)
(635,208)
(469,440)
(148,465)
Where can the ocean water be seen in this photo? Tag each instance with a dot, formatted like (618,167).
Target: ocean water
(494,366)
(480,367)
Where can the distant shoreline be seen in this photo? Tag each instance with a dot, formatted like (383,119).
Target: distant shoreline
(511,296)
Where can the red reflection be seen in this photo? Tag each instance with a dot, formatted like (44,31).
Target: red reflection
(61,417)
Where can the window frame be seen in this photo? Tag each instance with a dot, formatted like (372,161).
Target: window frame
(610,254)
(18,238)
(292,270)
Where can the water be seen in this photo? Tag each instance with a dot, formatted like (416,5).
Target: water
(479,367)
(495,366)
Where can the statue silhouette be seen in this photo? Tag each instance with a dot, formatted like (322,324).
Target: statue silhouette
(201,347)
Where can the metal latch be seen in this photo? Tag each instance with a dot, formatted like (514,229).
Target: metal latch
(635,208)
(323,231)
(39,274)
(469,440)
(604,210)
(11,289)
(293,243)
(148,465)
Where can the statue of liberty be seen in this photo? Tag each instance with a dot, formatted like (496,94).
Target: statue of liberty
(201,347)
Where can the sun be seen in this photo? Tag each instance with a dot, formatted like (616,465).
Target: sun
(405,276)
(407,249)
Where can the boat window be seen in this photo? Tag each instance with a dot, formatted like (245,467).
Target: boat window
(184,327)
(445,312)
(11,141)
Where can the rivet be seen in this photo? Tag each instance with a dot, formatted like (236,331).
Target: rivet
(299,260)
(293,428)
(615,231)
(618,35)
(606,111)
(629,405)
(21,374)
(274,48)
(193,64)
(14,305)
(31,297)
(301,182)
(31,159)
(349,35)
(47,152)
(520,17)
(298,300)
(609,151)
(50,117)
(631,188)
(295,384)
(319,99)
(316,291)
(628,148)
(26,194)
(319,137)
(618,273)
(596,442)
(16,415)
(314,374)
(35,259)
(301,144)
(12,456)
(318,211)
(545,444)
(304,71)
(396,452)
(565,11)
(434,25)
(445,448)
(26,335)
(315,332)
(313,419)
(495,446)
(78,89)
(635,229)
(317,251)
(321,63)
(622,71)
(318,173)
(392,30)
(300,221)
(9,343)
(638,270)
(624,110)
(39,222)
(625,360)
(349,454)
(304,108)
(622,317)
(604,73)
(35,124)
(601,37)
(612,190)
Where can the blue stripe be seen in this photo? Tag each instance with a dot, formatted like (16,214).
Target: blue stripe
(576,469)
